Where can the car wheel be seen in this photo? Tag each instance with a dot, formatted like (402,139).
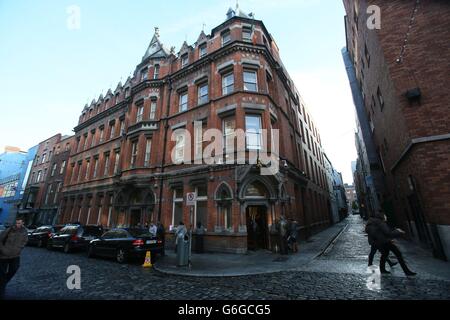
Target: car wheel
(90,252)
(121,256)
(66,248)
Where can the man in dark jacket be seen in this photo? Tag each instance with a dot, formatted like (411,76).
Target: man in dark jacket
(370,229)
(12,241)
(381,236)
(161,235)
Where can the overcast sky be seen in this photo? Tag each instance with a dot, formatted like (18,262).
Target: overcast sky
(49,68)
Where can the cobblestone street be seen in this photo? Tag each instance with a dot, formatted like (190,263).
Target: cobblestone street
(339,273)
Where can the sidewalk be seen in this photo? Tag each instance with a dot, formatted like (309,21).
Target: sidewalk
(254,262)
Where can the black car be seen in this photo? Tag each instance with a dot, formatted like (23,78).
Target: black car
(39,237)
(74,236)
(125,243)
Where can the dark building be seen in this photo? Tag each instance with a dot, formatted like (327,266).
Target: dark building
(130,161)
(399,77)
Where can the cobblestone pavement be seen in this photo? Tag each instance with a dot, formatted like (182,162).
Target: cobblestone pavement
(340,273)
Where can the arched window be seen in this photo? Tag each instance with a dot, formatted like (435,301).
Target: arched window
(256,190)
(224,197)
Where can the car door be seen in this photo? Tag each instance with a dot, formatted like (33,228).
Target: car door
(121,241)
(102,244)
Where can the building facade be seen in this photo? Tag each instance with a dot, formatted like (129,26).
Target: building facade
(14,170)
(401,70)
(42,172)
(141,149)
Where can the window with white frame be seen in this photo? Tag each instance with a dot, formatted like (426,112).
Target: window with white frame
(201,205)
(202,50)
(106,168)
(134,153)
(88,167)
(203,93)
(112,129)
(156,71)
(144,74)
(53,170)
(152,109)
(250,80)
(227,83)
(199,129)
(253,132)
(140,113)
(102,135)
(179,147)
(177,212)
(246,33)
(226,37)
(116,162)
(43,158)
(184,60)
(95,167)
(148,148)
(183,105)
(229,126)
(93,139)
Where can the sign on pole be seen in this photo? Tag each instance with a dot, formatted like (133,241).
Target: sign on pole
(191,198)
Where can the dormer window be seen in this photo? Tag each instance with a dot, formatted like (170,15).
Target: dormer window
(144,74)
(226,37)
(156,72)
(246,33)
(127,92)
(202,50)
(184,60)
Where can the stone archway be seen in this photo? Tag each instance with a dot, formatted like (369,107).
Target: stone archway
(135,206)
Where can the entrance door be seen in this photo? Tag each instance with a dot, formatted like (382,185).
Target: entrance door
(257,229)
(135,217)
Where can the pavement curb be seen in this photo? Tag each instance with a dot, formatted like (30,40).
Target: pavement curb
(331,243)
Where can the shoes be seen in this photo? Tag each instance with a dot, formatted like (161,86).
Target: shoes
(384,272)
(410,273)
(370,264)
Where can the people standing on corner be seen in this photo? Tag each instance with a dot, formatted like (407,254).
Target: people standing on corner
(12,241)
(283,235)
(293,235)
(153,229)
(382,237)
(179,231)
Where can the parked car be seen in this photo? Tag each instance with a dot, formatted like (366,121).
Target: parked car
(40,236)
(125,243)
(74,237)
(31,229)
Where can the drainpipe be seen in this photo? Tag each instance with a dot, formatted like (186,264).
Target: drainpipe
(166,128)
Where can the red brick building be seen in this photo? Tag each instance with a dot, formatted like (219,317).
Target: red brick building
(403,70)
(42,194)
(121,170)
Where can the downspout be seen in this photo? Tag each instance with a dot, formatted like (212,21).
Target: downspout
(166,127)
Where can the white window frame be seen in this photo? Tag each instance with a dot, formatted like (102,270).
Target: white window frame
(205,97)
(174,201)
(227,133)
(200,199)
(140,113)
(183,106)
(226,87)
(63,166)
(106,167)
(227,35)
(247,71)
(179,147)
(152,110)
(156,71)
(134,153)
(184,60)
(258,134)
(202,50)
(148,148)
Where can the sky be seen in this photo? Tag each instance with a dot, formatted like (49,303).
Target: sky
(52,65)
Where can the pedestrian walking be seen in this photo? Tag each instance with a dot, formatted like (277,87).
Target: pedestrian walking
(283,235)
(12,241)
(381,236)
(199,242)
(293,234)
(161,235)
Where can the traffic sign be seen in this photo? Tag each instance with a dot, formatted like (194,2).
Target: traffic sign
(191,197)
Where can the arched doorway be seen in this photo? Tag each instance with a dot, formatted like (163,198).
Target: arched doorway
(137,205)
(256,215)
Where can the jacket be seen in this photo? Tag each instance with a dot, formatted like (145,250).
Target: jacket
(379,233)
(12,241)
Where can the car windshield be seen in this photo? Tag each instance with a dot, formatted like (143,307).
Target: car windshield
(139,232)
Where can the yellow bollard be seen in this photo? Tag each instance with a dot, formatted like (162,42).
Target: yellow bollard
(148,260)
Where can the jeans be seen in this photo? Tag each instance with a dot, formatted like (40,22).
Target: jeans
(8,268)
(373,250)
(385,253)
